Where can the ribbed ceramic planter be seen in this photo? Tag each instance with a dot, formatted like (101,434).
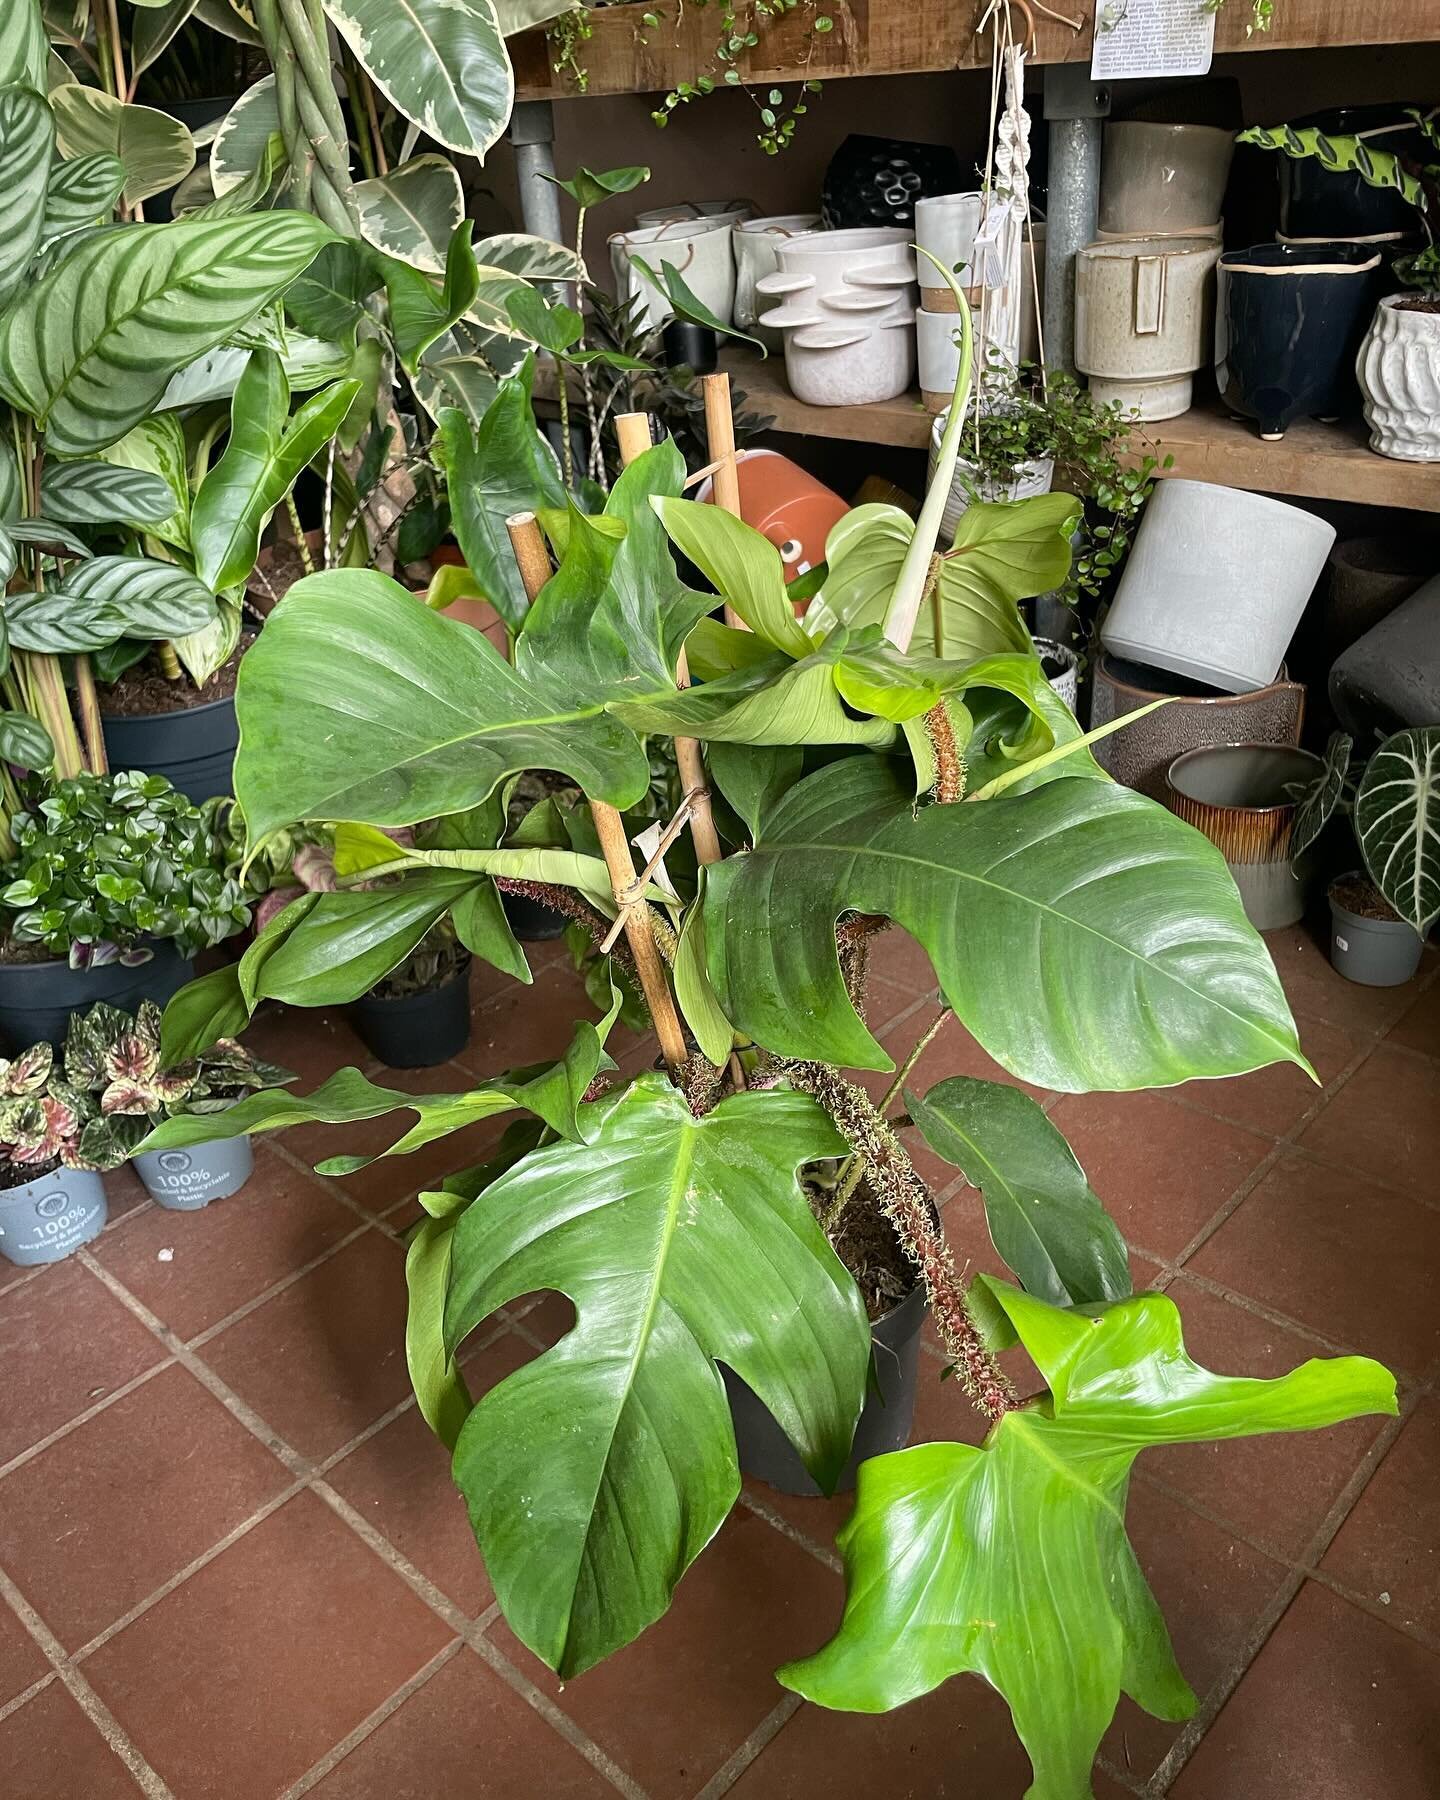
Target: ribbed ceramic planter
(1215,584)
(1398,369)
(1243,797)
(1162,178)
(46,1219)
(1197,715)
(1142,321)
(847,312)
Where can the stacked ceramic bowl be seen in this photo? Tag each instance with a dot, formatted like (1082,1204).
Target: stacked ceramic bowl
(846,310)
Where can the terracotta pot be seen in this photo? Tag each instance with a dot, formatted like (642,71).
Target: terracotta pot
(786,504)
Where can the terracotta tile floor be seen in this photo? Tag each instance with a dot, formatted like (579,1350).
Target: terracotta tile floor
(232,1564)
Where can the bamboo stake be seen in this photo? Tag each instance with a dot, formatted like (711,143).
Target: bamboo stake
(632,432)
(533,561)
(720,435)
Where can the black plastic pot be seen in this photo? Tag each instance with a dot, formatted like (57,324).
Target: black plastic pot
(37,999)
(688,345)
(195,749)
(531,922)
(420,1030)
(885,1420)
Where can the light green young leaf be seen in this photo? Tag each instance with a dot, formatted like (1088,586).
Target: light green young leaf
(702,1011)
(743,566)
(588,188)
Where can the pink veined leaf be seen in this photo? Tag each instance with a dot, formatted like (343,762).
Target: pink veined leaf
(131,1059)
(29,1072)
(272,903)
(314,867)
(129,1097)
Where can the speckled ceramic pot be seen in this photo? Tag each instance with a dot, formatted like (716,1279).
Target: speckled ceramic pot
(1162,178)
(1142,321)
(756,243)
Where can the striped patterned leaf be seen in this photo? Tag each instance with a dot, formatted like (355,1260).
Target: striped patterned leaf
(98,493)
(1377,168)
(157,447)
(413,212)
(151,599)
(27,138)
(55,624)
(82,192)
(157,151)
(89,350)
(24,46)
(25,741)
(243,135)
(442,63)
(1397,820)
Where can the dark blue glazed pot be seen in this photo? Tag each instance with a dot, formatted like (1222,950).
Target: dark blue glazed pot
(1288,321)
(1318,204)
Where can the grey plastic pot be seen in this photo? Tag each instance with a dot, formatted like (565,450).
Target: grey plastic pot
(186,1180)
(885,1420)
(1372,952)
(195,748)
(44,1220)
(37,999)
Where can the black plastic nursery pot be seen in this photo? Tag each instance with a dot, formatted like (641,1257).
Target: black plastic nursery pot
(45,1219)
(37,999)
(417,1031)
(1372,952)
(194,749)
(885,1420)
(531,922)
(186,1180)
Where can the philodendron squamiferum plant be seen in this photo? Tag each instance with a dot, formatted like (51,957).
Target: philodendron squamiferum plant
(1087,938)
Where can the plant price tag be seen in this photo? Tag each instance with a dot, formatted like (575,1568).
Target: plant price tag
(1151,37)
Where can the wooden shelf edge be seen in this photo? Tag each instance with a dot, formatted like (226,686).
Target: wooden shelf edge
(1312,461)
(903,37)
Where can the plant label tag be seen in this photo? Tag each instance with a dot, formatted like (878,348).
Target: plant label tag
(1151,37)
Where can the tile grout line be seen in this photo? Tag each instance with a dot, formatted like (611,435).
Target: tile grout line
(1377,1609)
(277,1287)
(84,1695)
(21,1457)
(1219,1692)
(774,1519)
(26,1694)
(740,1759)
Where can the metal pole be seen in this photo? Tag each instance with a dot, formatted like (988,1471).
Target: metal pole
(1074,107)
(532,133)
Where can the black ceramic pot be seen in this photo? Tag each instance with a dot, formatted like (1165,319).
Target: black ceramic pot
(37,999)
(1323,204)
(1288,321)
(194,749)
(690,346)
(417,1031)
(876,181)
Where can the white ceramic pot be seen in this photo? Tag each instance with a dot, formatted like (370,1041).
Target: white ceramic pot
(945,225)
(1399,373)
(1162,178)
(1215,584)
(698,248)
(1030,479)
(937,351)
(696,209)
(847,311)
(1067,683)
(755,244)
(1143,311)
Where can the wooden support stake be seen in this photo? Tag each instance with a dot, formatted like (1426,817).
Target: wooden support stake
(533,560)
(632,432)
(720,435)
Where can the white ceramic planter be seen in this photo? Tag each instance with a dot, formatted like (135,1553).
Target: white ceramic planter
(847,311)
(945,225)
(1031,478)
(1067,683)
(1399,373)
(1162,178)
(698,248)
(679,210)
(1143,311)
(937,352)
(1215,584)
(755,244)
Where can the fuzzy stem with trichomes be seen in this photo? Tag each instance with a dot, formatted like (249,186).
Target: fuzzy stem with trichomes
(854,1167)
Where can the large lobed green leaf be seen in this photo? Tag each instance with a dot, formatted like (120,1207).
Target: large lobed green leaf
(596,1474)
(1086,937)
(88,350)
(1012,1562)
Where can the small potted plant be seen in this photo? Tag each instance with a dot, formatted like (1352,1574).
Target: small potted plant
(1399,361)
(116,882)
(117,1060)
(52,1200)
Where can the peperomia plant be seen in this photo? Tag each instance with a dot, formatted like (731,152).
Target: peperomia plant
(700,1213)
(42,1115)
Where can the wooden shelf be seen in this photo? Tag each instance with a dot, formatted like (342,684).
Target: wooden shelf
(904,37)
(1319,462)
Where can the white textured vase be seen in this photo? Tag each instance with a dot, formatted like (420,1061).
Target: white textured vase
(1399,373)
(847,313)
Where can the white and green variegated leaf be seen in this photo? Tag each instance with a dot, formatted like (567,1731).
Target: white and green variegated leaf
(156,446)
(520,15)
(244,132)
(1397,822)
(27,138)
(24,46)
(309,363)
(203,652)
(100,493)
(151,599)
(448,376)
(82,193)
(442,63)
(413,212)
(157,151)
(88,366)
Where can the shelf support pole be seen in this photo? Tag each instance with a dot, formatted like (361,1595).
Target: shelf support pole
(1074,107)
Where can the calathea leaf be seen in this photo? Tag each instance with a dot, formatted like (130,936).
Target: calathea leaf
(442,63)
(596,1474)
(24,48)
(413,212)
(1397,821)
(1011,1561)
(150,599)
(88,368)
(156,446)
(58,624)
(156,150)
(99,493)
(261,462)
(1079,900)
(25,741)
(1044,1220)
(81,193)
(27,139)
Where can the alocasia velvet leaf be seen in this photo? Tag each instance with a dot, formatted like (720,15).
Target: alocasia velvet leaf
(1011,1561)
(1086,937)
(596,1474)
(1045,1222)
(1397,820)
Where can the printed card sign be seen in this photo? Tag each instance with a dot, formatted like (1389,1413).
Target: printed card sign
(1136,38)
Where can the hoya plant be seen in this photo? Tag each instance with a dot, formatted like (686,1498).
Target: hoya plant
(699,1214)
